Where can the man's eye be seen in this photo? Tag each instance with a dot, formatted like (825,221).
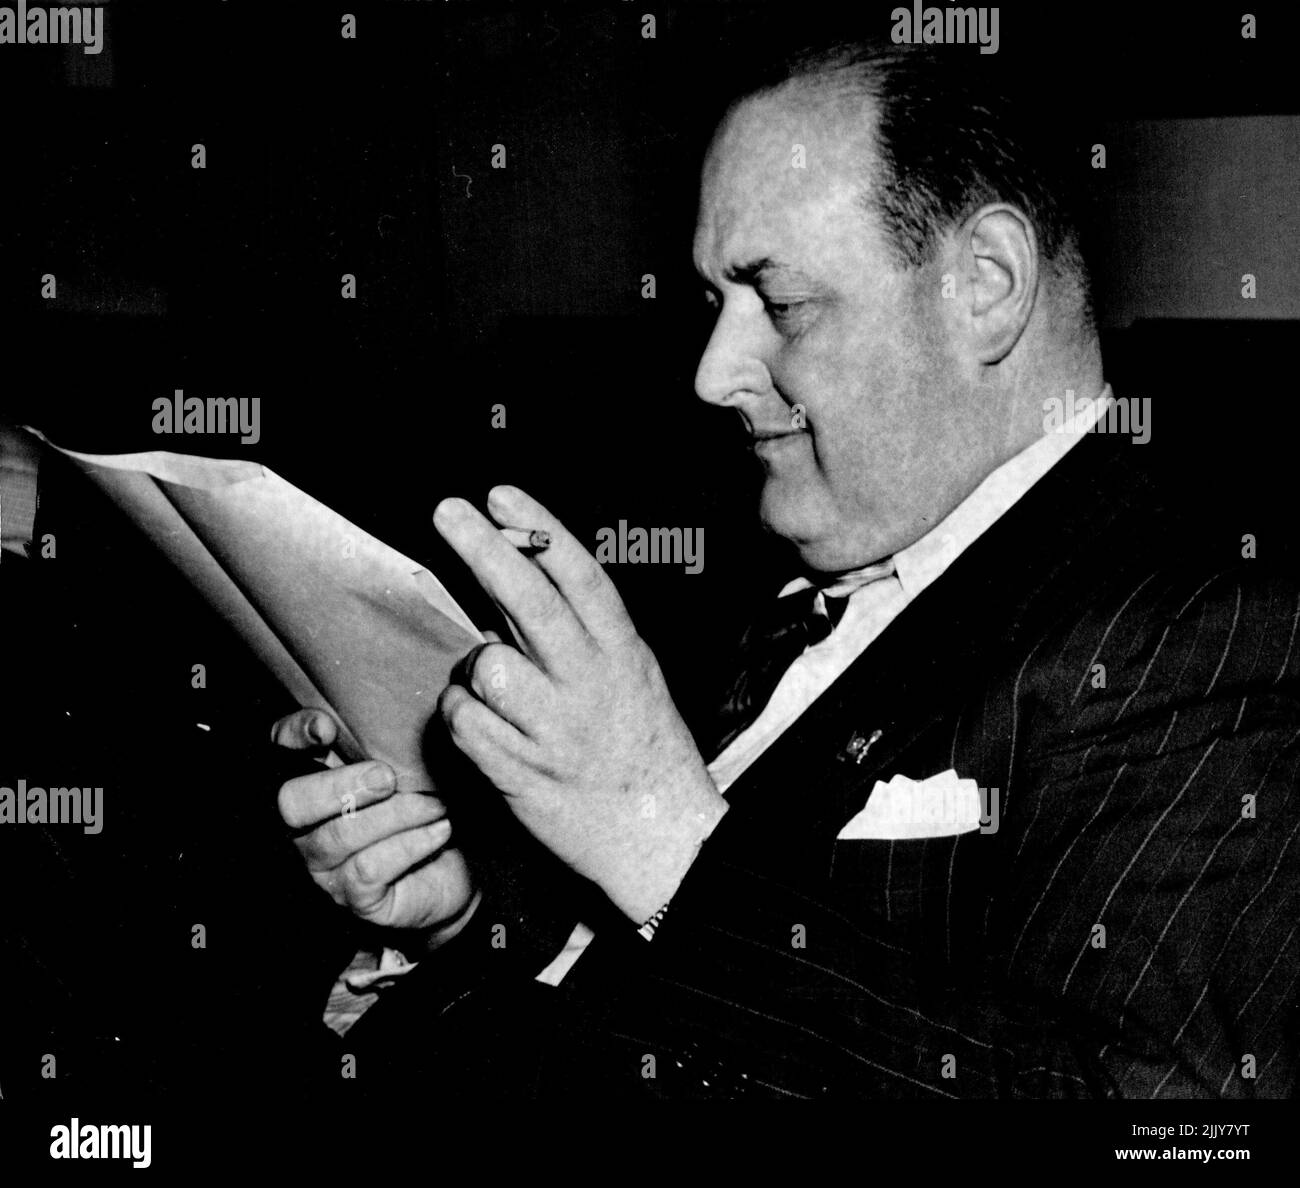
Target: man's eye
(781,312)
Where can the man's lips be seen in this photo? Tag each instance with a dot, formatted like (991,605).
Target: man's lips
(771,442)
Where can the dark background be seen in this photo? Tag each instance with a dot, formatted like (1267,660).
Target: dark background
(327,156)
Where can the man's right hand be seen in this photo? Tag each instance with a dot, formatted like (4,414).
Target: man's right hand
(367,845)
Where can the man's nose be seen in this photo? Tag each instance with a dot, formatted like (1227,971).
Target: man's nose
(731,368)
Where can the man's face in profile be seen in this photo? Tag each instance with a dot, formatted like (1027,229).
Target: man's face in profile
(839,363)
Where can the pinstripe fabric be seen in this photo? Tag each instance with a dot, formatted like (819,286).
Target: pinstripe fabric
(1130,929)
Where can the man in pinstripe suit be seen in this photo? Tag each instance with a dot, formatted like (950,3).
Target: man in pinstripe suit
(1016,815)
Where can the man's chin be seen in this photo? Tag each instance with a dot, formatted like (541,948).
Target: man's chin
(831,557)
(821,548)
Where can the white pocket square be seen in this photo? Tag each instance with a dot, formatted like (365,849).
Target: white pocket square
(941,806)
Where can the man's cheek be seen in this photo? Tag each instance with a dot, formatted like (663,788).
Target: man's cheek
(855,467)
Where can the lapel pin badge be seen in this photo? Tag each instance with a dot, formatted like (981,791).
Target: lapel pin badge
(855,751)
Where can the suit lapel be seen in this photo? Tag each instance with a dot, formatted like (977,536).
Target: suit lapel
(923,665)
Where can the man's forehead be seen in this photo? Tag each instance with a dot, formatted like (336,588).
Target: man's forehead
(781,179)
(750,238)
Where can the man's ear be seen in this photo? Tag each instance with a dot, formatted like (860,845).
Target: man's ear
(1000,254)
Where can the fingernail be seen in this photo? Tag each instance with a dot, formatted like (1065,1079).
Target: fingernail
(449,511)
(379,778)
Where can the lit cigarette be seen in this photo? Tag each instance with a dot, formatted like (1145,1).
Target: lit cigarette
(527,538)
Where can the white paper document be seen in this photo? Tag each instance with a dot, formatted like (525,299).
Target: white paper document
(345,622)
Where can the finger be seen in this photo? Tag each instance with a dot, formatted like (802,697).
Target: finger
(508,683)
(338,839)
(498,749)
(545,625)
(307,800)
(494,637)
(576,573)
(434,893)
(367,876)
(305,730)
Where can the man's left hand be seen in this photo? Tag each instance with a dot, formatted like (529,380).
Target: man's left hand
(576,726)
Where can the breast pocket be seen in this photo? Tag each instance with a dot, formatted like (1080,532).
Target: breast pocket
(916,888)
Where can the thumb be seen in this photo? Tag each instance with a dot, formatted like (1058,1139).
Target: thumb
(305,730)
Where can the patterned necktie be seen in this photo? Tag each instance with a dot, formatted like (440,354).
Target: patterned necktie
(772,643)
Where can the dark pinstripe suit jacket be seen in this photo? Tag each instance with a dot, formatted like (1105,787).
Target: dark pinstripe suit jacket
(1130,928)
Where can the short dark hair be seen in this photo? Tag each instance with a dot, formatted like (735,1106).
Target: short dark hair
(953,131)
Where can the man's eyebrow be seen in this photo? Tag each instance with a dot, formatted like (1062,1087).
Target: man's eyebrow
(747,274)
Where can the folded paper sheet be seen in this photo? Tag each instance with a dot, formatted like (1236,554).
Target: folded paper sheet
(346,623)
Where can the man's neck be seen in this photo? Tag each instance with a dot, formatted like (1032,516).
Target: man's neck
(1077,371)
